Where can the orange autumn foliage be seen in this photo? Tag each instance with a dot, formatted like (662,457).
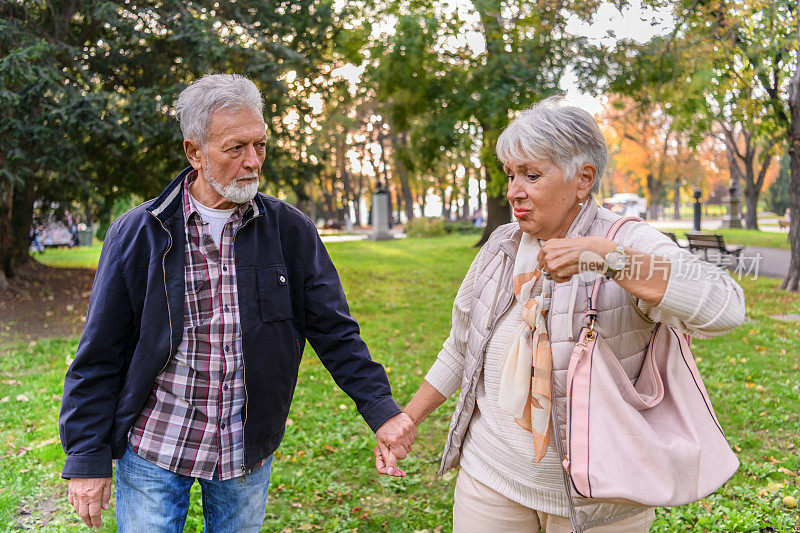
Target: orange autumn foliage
(643,142)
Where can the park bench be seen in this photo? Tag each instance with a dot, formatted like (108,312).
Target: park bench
(707,241)
(783,222)
(674,238)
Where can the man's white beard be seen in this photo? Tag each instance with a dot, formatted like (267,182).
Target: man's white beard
(233,192)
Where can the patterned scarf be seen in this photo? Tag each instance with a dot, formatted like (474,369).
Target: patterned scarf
(527,362)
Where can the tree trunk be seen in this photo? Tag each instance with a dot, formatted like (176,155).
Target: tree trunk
(21,219)
(677,199)
(327,197)
(452,210)
(6,232)
(480,189)
(653,193)
(792,280)
(751,203)
(398,200)
(402,173)
(465,206)
(753,181)
(497,214)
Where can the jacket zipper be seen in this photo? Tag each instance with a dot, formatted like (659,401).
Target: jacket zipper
(166,295)
(244,367)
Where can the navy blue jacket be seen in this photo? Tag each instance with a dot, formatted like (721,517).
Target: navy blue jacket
(289,291)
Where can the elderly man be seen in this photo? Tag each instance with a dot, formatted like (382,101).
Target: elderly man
(202,303)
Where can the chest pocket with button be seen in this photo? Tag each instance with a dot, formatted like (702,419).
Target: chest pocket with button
(273,293)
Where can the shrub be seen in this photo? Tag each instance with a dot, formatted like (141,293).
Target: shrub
(462,227)
(425,227)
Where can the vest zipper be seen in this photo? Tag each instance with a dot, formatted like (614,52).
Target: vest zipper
(244,367)
(166,295)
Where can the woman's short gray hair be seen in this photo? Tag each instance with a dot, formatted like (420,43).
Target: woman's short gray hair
(213,92)
(565,135)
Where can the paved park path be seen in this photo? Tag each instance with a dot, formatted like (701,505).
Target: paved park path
(772,262)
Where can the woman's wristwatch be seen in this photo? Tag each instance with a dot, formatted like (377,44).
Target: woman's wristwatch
(616,260)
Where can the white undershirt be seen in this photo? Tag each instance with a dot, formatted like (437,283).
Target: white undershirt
(215,218)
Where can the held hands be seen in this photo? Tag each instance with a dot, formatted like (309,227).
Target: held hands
(561,257)
(395,438)
(88,496)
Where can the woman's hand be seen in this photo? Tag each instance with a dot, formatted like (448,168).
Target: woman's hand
(645,276)
(561,258)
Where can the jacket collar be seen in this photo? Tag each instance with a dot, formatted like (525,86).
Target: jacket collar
(170,201)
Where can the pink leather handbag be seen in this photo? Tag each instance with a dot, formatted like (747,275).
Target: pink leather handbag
(656,442)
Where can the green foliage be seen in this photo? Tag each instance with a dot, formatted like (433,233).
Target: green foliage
(425,227)
(417,86)
(777,198)
(461,227)
(119,206)
(402,293)
(87,88)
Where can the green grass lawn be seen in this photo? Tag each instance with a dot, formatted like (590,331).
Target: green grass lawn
(747,237)
(323,476)
(78,257)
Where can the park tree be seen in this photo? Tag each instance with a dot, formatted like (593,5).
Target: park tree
(737,108)
(649,154)
(86,93)
(653,112)
(702,79)
(527,51)
(736,61)
(767,34)
(416,83)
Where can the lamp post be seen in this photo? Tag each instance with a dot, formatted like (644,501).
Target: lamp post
(698,212)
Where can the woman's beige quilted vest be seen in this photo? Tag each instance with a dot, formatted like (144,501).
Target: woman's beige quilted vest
(620,321)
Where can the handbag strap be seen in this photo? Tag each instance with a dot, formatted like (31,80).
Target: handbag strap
(591,311)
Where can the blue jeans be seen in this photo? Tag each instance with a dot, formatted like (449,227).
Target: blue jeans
(153,500)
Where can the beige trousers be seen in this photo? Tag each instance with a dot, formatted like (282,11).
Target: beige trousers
(479,509)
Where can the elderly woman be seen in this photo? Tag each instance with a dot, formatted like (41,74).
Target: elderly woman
(510,477)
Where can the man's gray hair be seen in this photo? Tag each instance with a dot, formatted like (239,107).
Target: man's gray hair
(563,134)
(213,92)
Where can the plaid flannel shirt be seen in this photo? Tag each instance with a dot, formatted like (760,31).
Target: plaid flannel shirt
(192,422)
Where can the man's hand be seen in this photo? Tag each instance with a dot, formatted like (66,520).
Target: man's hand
(395,438)
(88,496)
